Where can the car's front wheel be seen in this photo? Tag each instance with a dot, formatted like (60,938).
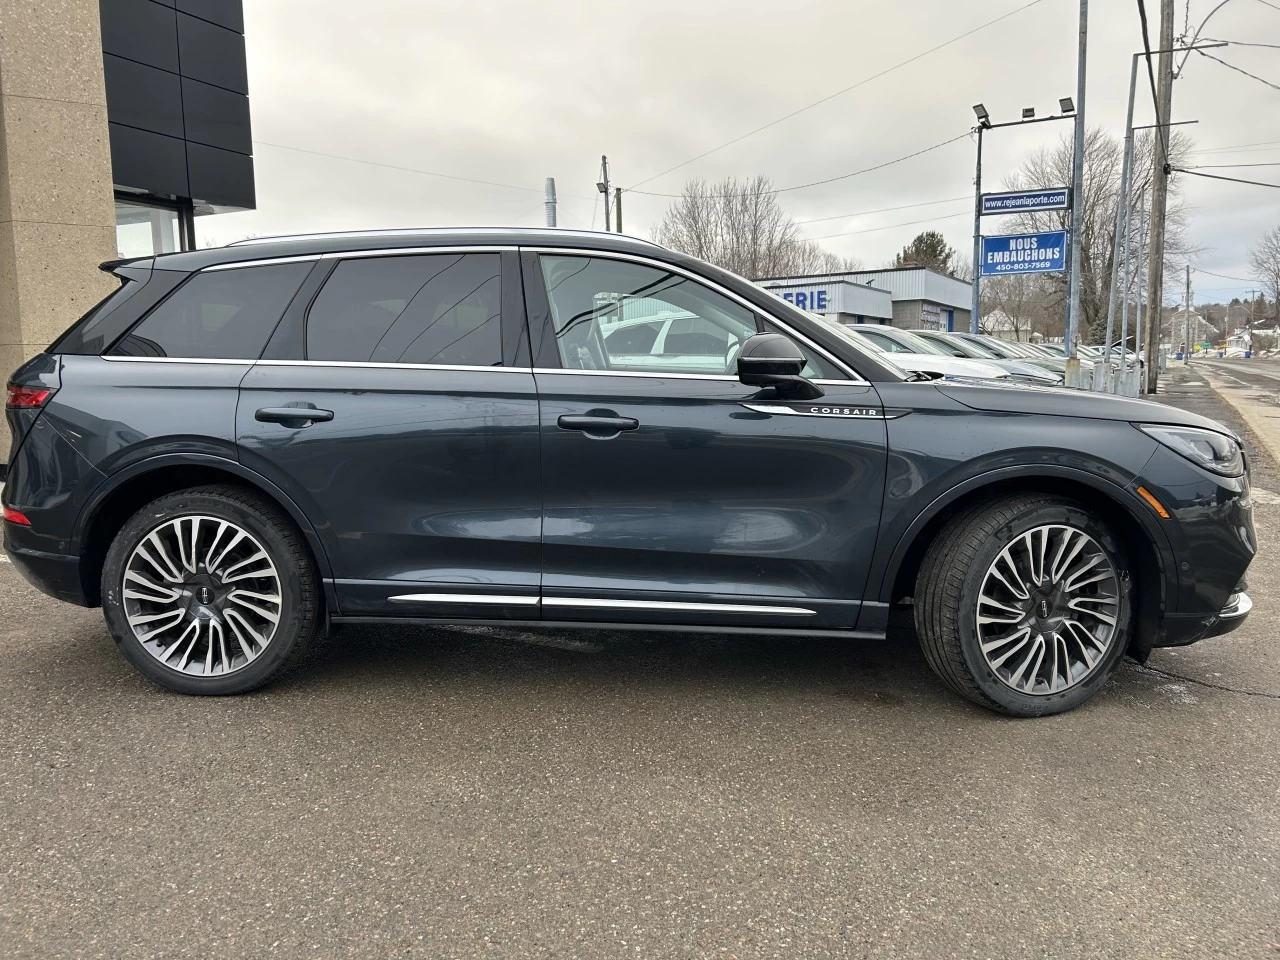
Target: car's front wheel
(1022,605)
(211,591)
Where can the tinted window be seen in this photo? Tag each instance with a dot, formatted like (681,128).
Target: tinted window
(616,315)
(439,309)
(223,315)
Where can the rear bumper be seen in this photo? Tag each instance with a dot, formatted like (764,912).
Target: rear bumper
(54,574)
(1182,629)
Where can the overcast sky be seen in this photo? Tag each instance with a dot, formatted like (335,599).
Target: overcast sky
(513,91)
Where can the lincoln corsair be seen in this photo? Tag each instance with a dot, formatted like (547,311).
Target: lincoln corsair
(241,447)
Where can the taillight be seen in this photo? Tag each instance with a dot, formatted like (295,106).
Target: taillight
(26,397)
(15,516)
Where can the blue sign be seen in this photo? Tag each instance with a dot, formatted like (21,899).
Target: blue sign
(1024,253)
(814,300)
(1023,201)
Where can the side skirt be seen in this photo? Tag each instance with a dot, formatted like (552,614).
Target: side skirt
(610,625)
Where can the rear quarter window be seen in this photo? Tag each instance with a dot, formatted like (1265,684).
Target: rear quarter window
(217,315)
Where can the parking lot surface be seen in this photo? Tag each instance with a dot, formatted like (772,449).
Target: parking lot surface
(493,793)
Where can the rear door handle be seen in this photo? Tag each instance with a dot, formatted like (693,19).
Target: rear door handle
(293,416)
(599,426)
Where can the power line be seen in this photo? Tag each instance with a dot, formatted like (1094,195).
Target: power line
(815,183)
(1238,147)
(392,166)
(1268,3)
(1222,276)
(1214,176)
(1222,166)
(1245,43)
(864,213)
(889,226)
(1151,76)
(838,93)
(1231,66)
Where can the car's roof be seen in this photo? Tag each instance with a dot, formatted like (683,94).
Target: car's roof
(311,244)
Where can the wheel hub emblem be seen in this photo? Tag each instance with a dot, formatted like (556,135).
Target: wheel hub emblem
(206,595)
(1044,608)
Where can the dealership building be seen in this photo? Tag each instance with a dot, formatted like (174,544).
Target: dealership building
(913,298)
(120,122)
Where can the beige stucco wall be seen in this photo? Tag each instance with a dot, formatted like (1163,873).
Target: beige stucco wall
(57,217)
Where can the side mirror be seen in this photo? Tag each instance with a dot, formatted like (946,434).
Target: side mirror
(772,360)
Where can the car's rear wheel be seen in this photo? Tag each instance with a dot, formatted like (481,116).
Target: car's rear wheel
(211,591)
(1022,605)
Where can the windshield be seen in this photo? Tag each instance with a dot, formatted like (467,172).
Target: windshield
(919,344)
(857,339)
(980,348)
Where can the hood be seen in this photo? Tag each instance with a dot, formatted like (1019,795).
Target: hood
(947,366)
(1011,397)
(1025,368)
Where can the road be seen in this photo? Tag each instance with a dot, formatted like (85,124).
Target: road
(490,793)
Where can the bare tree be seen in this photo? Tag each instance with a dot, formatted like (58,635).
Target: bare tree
(1021,305)
(1051,167)
(740,226)
(1264,261)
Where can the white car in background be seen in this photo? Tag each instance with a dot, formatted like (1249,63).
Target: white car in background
(924,362)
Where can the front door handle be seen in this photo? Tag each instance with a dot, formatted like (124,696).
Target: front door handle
(296,417)
(599,425)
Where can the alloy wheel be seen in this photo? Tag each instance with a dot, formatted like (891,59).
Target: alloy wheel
(1048,610)
(202,595)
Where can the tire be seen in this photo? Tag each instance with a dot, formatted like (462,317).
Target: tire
(968,596)
(227,636)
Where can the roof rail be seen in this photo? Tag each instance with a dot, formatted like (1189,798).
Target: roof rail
(434,231)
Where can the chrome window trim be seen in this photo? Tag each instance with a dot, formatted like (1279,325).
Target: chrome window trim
(638,373)
(674,605)
(464,598)
(855,378)
(414,251)
(124,359)
(238,264)
(674,376)
(390,366)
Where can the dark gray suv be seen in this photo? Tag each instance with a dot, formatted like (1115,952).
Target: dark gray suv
(242,446)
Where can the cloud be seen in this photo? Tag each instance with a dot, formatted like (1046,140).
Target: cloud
(514,92)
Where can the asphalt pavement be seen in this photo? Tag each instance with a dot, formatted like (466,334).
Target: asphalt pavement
(493,793)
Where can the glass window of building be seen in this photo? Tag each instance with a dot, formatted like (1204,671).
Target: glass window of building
(143,229)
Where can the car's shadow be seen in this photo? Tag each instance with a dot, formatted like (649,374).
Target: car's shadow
(602,658)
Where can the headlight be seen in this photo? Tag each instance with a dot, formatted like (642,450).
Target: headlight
(1206,448)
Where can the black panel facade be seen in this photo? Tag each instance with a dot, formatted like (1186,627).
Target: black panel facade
(139,157)
(177,101)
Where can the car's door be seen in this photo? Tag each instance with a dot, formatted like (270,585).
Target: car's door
(673,492)
(396,406)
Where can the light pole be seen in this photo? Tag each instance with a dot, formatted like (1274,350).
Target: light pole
(1126,188)
(1072,377)
(984,123)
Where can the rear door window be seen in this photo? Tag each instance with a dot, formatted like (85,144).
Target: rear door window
(433,309)
(217,315)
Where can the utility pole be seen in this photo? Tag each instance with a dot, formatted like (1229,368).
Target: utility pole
(1186,307)
(549,201)
(603,186)
(975,310)
(617,208)
(1142,268)
(1072,377)
(1159,196)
